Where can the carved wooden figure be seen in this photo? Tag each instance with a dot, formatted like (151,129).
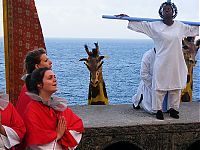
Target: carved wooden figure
(190,49)
(97,94)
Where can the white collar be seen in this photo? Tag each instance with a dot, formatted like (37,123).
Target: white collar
(56,103)
(24,77)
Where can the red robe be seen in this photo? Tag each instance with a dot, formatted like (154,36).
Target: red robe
(11,118)
(23,101)
(41,122)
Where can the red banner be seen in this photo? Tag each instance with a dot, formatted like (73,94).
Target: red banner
(23,33)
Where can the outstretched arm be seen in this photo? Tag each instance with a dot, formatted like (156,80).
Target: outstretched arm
(141,27)
(190,30)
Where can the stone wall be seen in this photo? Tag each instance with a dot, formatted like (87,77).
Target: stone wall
(146,137)
(107,125)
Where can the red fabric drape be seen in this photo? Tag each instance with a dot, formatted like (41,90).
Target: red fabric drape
(24,34)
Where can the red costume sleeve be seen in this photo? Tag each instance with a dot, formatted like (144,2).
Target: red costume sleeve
(41,122)
(12,119)
(73,123)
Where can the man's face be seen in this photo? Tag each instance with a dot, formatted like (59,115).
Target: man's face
(167,11)
(44,62)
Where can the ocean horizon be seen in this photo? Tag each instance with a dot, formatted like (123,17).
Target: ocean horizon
(121,67)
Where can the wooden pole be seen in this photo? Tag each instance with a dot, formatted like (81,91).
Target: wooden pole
(6,51)
(144,19)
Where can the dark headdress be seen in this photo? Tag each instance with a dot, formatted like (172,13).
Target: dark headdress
(174,8)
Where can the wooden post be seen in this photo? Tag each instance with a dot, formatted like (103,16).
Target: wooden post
(5,25)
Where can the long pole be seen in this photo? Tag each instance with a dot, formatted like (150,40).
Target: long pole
(6,51)
(144,19)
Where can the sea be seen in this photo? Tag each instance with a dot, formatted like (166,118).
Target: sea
(121,68)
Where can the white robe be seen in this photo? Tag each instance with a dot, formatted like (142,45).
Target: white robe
(145,86)
(170,70)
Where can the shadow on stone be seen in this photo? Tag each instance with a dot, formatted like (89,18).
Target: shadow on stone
(122,145)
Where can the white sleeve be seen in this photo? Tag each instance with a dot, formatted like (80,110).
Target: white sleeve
(12,138)
(136,98)
(145,72)
(141,26)
(77,136)
(51,146)
(190,30)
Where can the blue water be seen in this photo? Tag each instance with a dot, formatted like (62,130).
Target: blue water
(120,70)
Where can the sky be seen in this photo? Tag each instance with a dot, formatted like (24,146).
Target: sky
(83,18)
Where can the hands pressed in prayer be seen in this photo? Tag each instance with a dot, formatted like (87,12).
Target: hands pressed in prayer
(61,127)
